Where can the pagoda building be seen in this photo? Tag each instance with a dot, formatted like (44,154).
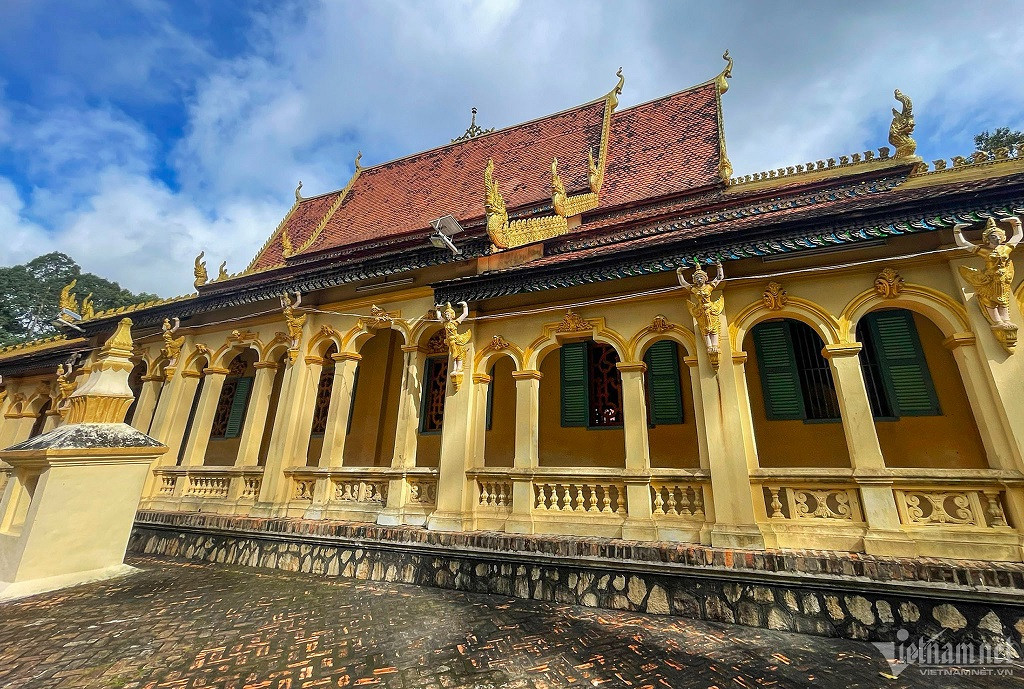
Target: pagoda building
(587,325)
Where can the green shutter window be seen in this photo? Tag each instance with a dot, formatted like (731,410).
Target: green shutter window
(490,401)
(780,380)
(664,388)
(575,387)
(904,369)
(238,406)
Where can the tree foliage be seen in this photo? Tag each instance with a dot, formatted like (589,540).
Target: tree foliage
(30,293)
(1002,137)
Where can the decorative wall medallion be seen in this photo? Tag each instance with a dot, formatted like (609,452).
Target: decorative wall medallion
(774,297)
(889,284)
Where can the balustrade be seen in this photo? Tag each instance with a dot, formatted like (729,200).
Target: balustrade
(360,490)
(602,498)
(494,493)
(941,506)
(685,500)
(828,503)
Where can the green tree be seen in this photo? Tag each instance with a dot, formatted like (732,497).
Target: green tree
(30,294)
(1002,137)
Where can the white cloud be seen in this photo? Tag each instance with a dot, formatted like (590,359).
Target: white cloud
(316,83)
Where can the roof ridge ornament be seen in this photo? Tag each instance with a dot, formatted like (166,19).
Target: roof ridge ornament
(902,127)
(725,74)
(474,130)
(359,156)
(298,196)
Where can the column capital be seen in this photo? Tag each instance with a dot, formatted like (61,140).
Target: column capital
(692,362)
(189,373)
(272,365)
(347,356)
(481,378)
(631,367)
(738,358)
(215,371)
(153,378)
(527,375)
(841,349)
(315,360)
(413,348)
(957,340)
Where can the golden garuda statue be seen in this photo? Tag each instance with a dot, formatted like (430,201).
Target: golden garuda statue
(457,342)
(993,283)
(705,311)
(293,322)
(902,127)
(172,346)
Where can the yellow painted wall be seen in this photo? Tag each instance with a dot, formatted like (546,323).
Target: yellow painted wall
(948,441)
(500,441)
(790,443)
(371,440)
(568,447)
(674,446)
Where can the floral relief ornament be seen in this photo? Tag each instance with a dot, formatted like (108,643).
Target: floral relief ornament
(889,284)
(992,283)
(705,311)
(774,297)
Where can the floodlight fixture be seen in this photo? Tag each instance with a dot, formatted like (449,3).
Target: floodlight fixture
(66,319)
(444,229)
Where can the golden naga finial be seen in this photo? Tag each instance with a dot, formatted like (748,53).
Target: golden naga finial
(558,195)
(721,79)
(88,311)
(494,207)
(68,301)
(902,127)
(359,156)
(594,176)
(286,244)
(298,196)
(200,271)
(222,272)
(617,91)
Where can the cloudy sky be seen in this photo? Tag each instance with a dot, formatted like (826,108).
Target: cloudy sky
(134,134)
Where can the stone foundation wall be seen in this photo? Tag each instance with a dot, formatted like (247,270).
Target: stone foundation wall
(754,588)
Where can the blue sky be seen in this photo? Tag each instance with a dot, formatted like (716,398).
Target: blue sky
(134,134)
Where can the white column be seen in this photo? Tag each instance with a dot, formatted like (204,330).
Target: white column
(884,536)
(639,524)
(333,452)
(256,415)
(527,450)
(202,422)
(406,434)
(453,511)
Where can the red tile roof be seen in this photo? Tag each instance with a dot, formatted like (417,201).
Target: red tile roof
(661,148)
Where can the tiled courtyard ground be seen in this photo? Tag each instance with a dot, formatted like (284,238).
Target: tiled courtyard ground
(184,625)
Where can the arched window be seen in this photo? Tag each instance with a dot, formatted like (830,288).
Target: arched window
(234,400)
(796,380)
(435,382)
(591,385)
(895,371)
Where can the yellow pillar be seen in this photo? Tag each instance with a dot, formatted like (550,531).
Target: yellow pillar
(202,422)
(527,450)
(693,370)
(884,536)
(256,415)
(453,511)
(53,419)
(290,439)
(406,434)
(639,524)
(727,459)
(146,406)
(333,453)
(170,419)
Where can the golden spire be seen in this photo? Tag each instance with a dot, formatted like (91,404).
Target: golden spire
(902,127)
(726,73)
(105,396)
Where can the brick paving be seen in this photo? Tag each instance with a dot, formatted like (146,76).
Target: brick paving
(182,625)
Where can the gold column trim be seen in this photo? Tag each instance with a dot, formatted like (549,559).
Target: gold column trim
(631,366)
(347,356)
(841,349)
(481,378)
(527,375)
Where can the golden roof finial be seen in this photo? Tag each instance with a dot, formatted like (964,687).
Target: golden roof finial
(721,79)
(67,300)
(105,396)
(474,130)
(200,271)
(558,195)
(902,127)
(298,196)
(359,155)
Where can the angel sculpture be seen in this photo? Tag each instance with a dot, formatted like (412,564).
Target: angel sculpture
(457,342)
(293,322)
(705,311)
(200,271)
(172,346)
(992,283)
(64,386)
